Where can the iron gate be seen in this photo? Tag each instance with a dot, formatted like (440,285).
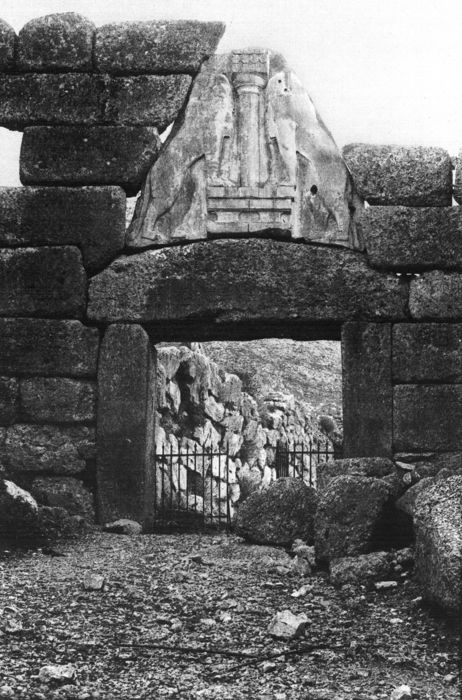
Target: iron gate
(197,488)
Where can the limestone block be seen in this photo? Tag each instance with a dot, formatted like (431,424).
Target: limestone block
(413,238)
(230,390)
(9,400)
(45,347)
(413,176)
(48,448)
(70,99)
(214,410)
(367,389)
(92,218)
(169,358)
(57,400)
(427,352)
(100,155)
(62,41)
(64,492)
(146,100)
(18,510)
(126,409)
(245,280)
(45,282)
(427,417)
(7,45)
(155,47)
(436,295)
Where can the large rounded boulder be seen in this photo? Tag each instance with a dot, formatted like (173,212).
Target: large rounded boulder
(279,514)
(438,528)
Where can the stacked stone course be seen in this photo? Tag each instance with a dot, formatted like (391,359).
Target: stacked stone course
(91,102)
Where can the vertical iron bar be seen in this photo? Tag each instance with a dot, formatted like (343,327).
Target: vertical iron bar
(162,477)
(219,492)
(211,487)
(203,487)
(171,481)
(187,481)
(228,514)
(311,461)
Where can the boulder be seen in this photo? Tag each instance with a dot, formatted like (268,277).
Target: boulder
(286,625)
(7,45)
(124,526)
(64,492)
(362,466)
(278,514)
(18,510)
(348,516)
(361,569)
(407,501)
(56,522)
(438,528)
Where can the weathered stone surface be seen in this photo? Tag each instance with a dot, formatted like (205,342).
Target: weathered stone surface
(427,352)
(62,41)
(413,238)
(99,155)
(436,295)
(367,389)
(92,218)
(146,100)
(18,510)
(71,99)
(413,176)
(64,492)
(286,625)
(126,405)
(438,526)
(279,514)
(124,526)
(7,45)
(407,501)
(427,417)
(243,281)
(363,466)
(361,569)
(57,400)
(227,171)
(348,514)
(155,47)
(48,448)
(50,348)
(46,282)
(457,163)
(9,400)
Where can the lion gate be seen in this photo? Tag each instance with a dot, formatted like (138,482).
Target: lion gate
(251,224)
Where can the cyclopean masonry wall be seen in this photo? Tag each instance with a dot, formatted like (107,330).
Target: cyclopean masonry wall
(295,255)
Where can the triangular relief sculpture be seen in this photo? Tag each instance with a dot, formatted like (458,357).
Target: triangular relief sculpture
(250,157)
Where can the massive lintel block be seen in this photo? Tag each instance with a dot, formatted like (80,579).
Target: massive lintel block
(7,45)
(57,400)
(242,281)
(126,393)
(47,282)
(436,295)
(100,155)
(92,218)
(427,418)
(72,98)
(367,389)
(155,47)
(414,176)
(57,42)
(413,238)
(51,348)
(427,352)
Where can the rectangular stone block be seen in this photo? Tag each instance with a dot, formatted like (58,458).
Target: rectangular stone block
(70,99)
(427,352)
(9,400)
(7,46)
(48,448)
(126,410)
(427,418)
(92,218)
(31,346)
(367,389)
(155,47)
(47,282)
(413,176)
(436,295)
(57,400)
(413,238)
(99,155)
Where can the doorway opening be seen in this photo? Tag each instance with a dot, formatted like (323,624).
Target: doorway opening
(234,416)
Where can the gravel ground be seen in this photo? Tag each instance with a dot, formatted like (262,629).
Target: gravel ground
(359,644)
